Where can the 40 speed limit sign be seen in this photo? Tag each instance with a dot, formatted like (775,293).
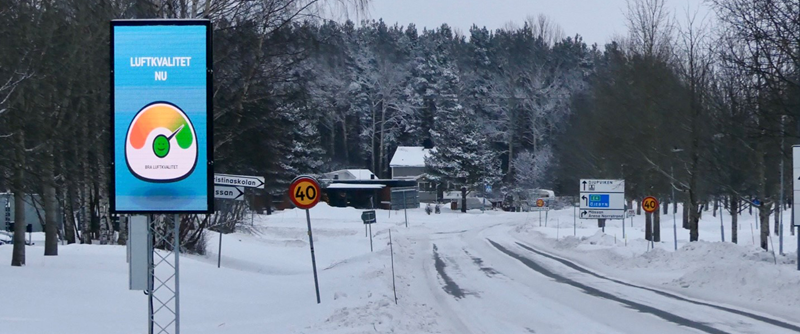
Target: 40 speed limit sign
(305,192)
(650,204)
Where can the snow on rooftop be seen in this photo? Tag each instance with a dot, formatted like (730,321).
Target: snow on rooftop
(409,156)
(354,186)
(361,174)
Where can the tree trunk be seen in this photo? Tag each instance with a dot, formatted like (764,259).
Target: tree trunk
(86,221)
(50,211)
(372,141)
(123,230)
(777,219)
(764,212)
(665,206)
(380,172)
(69,220)
(510,155)
(639,207)
(694,225)
(18,253)
(648,226)
(656,226)
(686,207)
(675,207)
(716,207)
(734,205)
(344,140)
(463,199)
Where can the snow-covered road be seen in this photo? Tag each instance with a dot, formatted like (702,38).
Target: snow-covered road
(492,272)
(505,286)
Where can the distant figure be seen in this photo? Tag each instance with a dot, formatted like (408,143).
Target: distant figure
(438,210)
(428,209)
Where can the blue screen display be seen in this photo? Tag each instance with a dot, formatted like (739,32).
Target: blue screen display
(160,118)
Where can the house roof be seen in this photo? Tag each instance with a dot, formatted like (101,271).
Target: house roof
(409,156)
(361,174)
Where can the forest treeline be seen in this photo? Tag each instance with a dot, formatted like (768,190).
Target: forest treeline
(709,110)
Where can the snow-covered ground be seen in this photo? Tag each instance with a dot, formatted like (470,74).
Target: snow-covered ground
(492,272)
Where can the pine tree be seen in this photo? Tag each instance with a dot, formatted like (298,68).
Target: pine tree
(461,156)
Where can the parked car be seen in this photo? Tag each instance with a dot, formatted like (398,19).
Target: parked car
(5,238)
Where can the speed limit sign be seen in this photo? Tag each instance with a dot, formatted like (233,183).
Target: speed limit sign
(650,204)
(304,192)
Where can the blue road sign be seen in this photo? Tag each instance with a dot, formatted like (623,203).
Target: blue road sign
(488,188)
(598,201)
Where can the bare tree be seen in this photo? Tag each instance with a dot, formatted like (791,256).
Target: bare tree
(545,28)
(650,28)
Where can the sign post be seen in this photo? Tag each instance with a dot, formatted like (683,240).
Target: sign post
(368,217)
(602,199)
(796,196)
(305,193)
(650,205)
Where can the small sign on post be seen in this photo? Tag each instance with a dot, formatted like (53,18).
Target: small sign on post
(650,204)
(305,192)
(368,217)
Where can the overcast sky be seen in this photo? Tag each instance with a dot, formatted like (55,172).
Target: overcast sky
(596,20)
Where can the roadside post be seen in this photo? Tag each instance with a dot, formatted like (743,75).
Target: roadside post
(796,196)
(231,187)
(304,192)
(650,205)
(575,220)
(540,206)
(368,217)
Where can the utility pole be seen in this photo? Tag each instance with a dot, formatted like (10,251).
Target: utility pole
(779,205)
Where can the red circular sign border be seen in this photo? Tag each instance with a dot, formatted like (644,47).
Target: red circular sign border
(295,183)
(539,201)
(657,204)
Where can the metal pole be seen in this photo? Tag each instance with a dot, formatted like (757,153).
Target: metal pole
(313,259)
(219,254)
(370,237)
(623,222)
(152,269)
(177,251)
(252,210)
(779,210)
(540,218)
(405,207)
(674,218)
(721,226)
(391,252)
(546,214)
(574,221)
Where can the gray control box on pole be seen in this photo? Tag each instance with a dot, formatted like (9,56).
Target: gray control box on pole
(139,244)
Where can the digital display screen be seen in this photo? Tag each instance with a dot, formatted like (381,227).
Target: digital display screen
(160,116)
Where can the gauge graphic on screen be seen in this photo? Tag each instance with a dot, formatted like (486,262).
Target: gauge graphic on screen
(161,144)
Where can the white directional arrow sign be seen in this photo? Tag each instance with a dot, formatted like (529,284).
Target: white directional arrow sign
(226,192)
(602,199)
(239,180)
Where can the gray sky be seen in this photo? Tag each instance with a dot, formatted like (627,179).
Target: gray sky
(596,20)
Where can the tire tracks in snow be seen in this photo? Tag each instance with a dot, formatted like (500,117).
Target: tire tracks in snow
(576,267)
(602,294)
(450,286)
